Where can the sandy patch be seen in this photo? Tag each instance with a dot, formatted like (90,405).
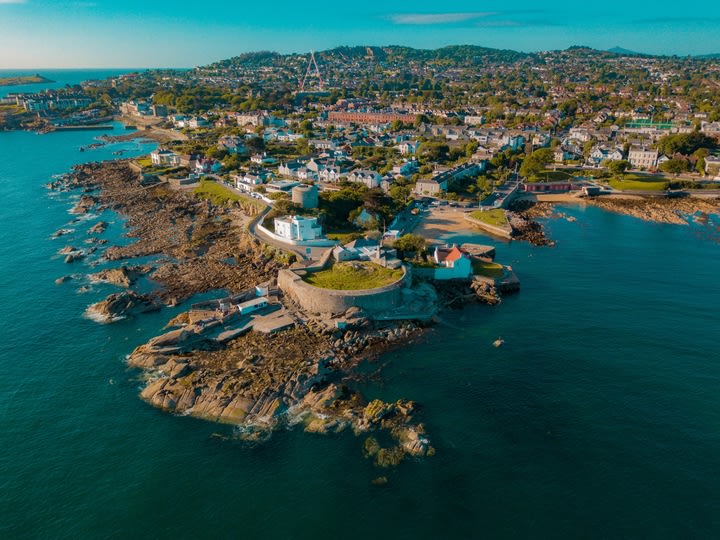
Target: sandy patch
(442,221)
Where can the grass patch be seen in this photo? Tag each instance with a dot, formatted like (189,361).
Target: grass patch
(345,238)
(634,182)
(220,195)
(354,276)
(486,268)
(145,162)
(495,217)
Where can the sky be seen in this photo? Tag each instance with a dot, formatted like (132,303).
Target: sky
(182,33)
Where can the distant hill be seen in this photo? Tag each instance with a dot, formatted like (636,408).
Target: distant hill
(453,55)
(625,52)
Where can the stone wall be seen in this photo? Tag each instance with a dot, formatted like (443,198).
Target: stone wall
(328,301)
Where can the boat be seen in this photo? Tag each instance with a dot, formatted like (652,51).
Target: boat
(499,342)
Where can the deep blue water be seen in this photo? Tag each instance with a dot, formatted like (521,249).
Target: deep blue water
(599,418)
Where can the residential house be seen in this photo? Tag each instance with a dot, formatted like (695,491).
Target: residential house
(712,165)
(233,145)
(409,147)
(164,158)
(431,186)
(641,157)
(207,166)
(602,153)
(453,263)
(298,228)
(406,168)
(330,174)
(371,179)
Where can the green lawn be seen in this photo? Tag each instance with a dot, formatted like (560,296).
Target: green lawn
(344,238)
(635,182)
(220,195)
(489,269)
(495,217)
(144,162)
(354,276)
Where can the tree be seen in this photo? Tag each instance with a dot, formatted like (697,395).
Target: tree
(674,166)
(410,242)
(400,194)
(533,164)
(434,151)
(617,167)
(685,143)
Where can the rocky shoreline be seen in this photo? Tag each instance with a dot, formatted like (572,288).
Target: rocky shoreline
(524,214)
(257,381)
(659,210)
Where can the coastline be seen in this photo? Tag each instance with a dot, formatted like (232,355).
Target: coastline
(257,381)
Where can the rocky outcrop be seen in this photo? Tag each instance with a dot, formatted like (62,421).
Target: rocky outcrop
(84,205)
(124,276)
(659,210)
(99,228)
(120,305)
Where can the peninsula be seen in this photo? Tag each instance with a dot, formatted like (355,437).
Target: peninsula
(321,220)
(24,79)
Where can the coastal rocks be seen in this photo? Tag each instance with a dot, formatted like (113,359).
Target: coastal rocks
(658,210)
(63,279)
(120,305)
(62,232)
(74,256)
(523,216)
(124,276)
(84,205)
(98,228)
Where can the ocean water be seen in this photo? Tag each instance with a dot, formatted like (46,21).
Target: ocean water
(60,78)
(598,418)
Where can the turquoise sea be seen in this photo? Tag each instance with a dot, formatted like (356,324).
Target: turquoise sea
(598,418)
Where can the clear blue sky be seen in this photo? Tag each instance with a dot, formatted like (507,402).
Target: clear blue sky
(179,33)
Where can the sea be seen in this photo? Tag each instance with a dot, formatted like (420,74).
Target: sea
(599,417)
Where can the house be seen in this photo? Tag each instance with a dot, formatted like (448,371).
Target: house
(431,186)
(453,263)
(263,159)
(643,158)
(407,168)
(197,122)
(712,165)
(207,166)
(564,154)
(247,181)
(298,228)
(331,174)
(322,144)
(290,169)
(180,121)
(233,145)
(602,153)
(371,179)
(164,158)
(409,147)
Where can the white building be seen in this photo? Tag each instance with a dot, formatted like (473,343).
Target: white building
(298,228)
(164,158)
(643,158)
